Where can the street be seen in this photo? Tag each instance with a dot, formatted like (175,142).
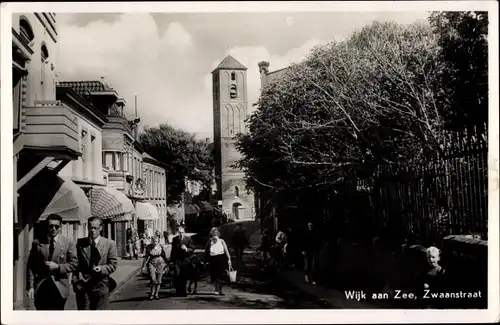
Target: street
(248,292)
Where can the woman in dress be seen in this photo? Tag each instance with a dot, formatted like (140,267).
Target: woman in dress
(156,261)
(219,259)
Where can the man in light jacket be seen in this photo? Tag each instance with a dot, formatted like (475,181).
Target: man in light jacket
(97,259)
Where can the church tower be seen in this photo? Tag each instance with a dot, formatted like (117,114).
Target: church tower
(230,102)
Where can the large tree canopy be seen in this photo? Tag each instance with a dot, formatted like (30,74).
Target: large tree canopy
(349,105)
(463,41)
(185,157)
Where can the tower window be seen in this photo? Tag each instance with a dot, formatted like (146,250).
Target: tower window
(233,93)
(233,76)
(236,191)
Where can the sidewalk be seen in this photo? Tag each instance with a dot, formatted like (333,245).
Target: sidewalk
(124,271)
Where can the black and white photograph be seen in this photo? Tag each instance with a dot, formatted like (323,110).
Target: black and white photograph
(229,156)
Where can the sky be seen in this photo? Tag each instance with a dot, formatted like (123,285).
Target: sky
(166,59)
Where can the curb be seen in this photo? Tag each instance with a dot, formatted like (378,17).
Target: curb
(122,283)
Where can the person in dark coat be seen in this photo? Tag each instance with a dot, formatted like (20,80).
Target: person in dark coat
(182,249)
(240,241)
(310,251)
(49,263)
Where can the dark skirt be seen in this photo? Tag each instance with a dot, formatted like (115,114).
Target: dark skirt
(218,266)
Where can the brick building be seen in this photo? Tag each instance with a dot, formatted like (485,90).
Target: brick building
(230,104)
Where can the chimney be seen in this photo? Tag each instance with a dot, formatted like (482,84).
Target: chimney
(136,120)
(264,70)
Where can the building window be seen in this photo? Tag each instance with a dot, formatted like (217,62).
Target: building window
(233,76)
(92,155)
(25,31)
(115,160)
(44,57)
(237,191)
(124,158)
(16,100)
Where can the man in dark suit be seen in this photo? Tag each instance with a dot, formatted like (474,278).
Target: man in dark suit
(50,262)
(97,259)
(182,249)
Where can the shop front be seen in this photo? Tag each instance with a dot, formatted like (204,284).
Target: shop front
(116,210)
(146,214)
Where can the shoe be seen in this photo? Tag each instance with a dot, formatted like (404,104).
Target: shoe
(216,293)
(157,297)
(151,297)
(194,292)
(314,283)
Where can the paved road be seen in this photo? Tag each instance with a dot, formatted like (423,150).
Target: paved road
(250,292)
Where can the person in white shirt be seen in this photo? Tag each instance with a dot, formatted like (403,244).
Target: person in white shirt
(218,257)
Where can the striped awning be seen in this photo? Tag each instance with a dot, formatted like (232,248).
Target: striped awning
(69,202)
(146,211)
(110,203)
(191,209)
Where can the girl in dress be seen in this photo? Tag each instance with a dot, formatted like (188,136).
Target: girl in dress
(218,258)
(156,261)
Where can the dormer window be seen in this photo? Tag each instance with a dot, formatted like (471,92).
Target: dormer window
(233,93)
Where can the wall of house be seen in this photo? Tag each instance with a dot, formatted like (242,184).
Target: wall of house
(44,30)
(88,167)
(156,193)
(42,76)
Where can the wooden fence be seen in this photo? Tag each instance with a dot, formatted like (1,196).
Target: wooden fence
(425,202)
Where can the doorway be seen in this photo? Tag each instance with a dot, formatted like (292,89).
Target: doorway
(236,210)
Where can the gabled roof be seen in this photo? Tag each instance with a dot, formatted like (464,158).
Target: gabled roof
(230,63)
(83,87)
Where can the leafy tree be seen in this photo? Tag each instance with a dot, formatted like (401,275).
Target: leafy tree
(185,156)
(347,107)
(463,49)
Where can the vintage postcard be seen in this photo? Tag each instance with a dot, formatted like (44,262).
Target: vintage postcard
(250,162)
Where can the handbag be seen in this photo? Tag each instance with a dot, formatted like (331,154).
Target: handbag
(231,274)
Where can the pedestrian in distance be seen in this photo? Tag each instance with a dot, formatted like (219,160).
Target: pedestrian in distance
(132,238)
(239,241)
(182,249)
(311,244)
(50,261)
(145,242)
(194,271)
(219,259)
(156,261)
(97,259)
(265,248)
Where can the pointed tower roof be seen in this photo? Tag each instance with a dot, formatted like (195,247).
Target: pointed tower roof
(230,63)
